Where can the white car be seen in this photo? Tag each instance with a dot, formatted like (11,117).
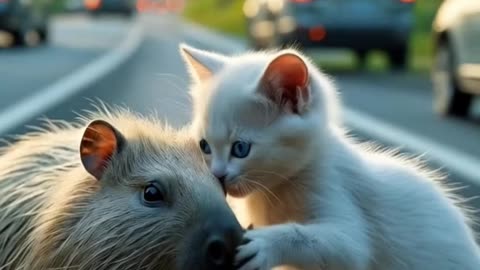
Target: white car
(456,70)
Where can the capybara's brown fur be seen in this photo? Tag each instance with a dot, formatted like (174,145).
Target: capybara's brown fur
(56,214)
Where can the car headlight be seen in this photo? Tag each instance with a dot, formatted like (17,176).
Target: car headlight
(250,8)
(286,24)
(263,29)
(275,6)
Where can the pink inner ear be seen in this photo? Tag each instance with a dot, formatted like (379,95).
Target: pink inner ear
(98,144)
(286,80)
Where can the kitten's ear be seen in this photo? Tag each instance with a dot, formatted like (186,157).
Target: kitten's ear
(201,64)
(99,143)
(285,82)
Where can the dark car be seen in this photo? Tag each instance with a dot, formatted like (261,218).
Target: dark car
(360,25)
(124,7)
(456,69)
(26,20)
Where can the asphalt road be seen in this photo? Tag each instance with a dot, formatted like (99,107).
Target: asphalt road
(75,41)
(154,79)
(406,100)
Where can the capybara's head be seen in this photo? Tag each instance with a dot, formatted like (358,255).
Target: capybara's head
(141,198)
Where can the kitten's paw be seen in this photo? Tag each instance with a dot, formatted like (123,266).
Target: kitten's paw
(255,253)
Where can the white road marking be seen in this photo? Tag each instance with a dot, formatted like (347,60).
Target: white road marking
(463,164)
(67,86)
(459,162)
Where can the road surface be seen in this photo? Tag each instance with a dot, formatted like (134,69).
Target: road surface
(153,79)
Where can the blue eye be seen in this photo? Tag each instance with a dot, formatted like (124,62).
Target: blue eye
(205,147)
(240,149)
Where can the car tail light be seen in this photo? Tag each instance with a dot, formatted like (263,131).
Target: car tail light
(92,4)
(301,1)
(317,33)
(408,1)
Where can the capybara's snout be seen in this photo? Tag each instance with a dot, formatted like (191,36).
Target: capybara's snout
(222,239)
(214,241)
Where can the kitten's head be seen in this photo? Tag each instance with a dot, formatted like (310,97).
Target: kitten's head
(259,118)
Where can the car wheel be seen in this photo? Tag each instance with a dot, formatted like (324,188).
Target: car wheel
(19,38)
(29,38)
(398,57)
(43,34)
(126,13)
(94,14)
(448,97)
(361,56)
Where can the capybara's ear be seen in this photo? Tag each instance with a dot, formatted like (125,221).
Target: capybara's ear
(99,143)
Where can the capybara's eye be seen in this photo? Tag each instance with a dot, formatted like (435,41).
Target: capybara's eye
(205,147)
(153,195)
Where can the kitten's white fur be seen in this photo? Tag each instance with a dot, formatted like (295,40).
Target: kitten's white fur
(329,202)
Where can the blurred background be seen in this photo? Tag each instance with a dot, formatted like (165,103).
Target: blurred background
(408,71)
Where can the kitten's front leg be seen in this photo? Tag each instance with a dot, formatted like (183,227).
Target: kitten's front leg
(313,246)
(258,250)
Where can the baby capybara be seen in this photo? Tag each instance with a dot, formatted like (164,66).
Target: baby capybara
(114,190)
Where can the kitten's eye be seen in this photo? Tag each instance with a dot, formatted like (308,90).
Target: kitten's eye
(205,147)
(240,149)
(153,195)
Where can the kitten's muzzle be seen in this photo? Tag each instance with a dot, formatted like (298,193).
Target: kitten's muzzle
(220,176)
(222,180)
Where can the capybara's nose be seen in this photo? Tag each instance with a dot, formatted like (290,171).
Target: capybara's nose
(217,251)
(221,244)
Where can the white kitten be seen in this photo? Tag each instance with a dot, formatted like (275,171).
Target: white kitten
(268,125)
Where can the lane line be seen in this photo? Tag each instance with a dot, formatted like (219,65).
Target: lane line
(465,165)
(65,87)
(455,161)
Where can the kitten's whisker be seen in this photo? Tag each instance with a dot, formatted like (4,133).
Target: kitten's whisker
(262,188)
(270,173)
(269,193)
(262,192)
(296,186)
(176,86)
(170,100)
(268,198)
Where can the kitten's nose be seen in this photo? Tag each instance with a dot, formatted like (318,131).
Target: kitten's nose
(220,175)
(221,178)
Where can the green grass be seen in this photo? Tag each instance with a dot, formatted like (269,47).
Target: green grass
(229,19)
(211,13)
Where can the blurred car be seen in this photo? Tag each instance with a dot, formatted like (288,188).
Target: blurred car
(124,7)
(456,69)
(27,21)
(360,25)
(74,5)
(159,6)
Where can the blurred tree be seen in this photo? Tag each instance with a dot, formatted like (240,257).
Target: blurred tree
(57,6)
(224,3)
